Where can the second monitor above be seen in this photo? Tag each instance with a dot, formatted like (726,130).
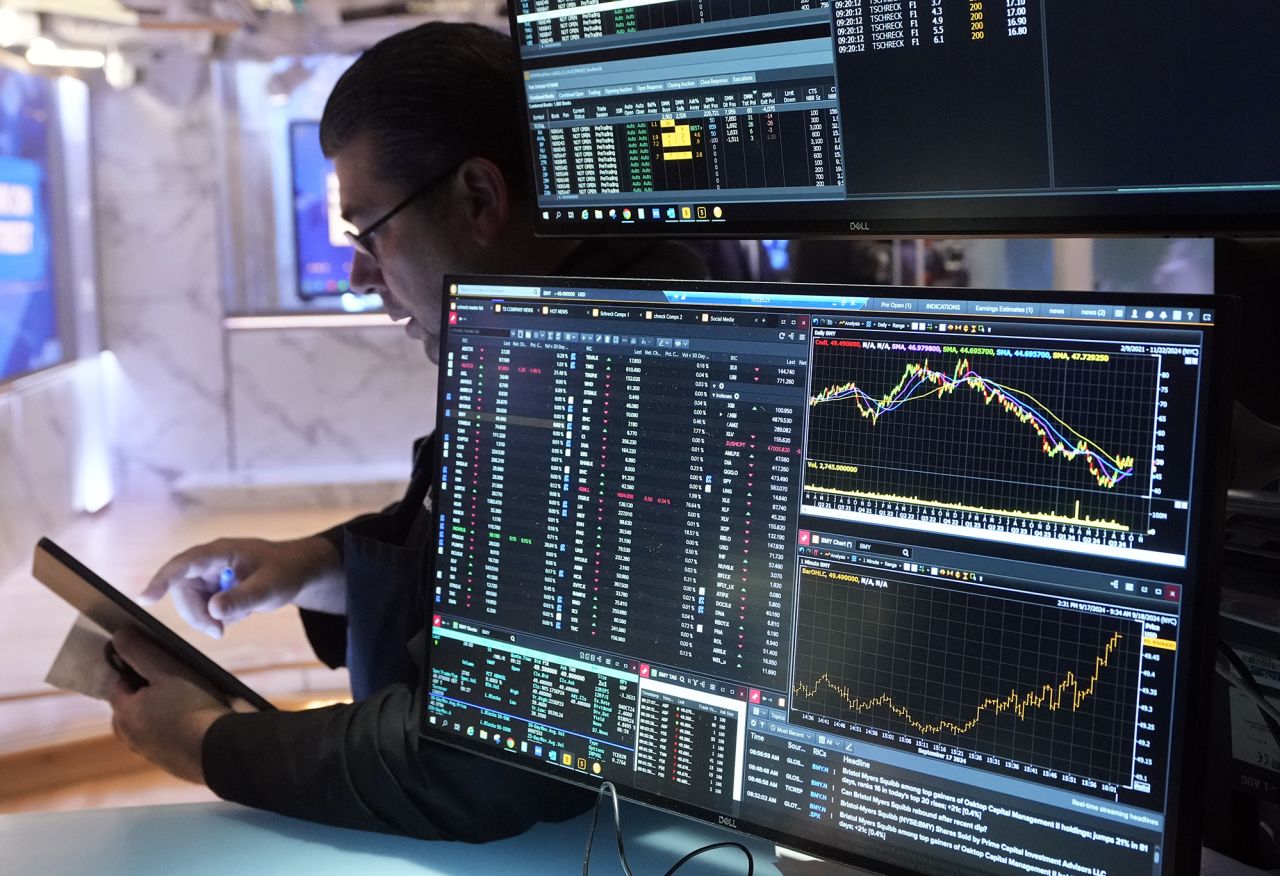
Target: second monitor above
(900,117)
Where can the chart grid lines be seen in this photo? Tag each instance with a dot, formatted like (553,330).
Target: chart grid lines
(1006,677)
(1056,441)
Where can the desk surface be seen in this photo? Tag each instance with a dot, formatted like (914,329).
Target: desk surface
(221,838)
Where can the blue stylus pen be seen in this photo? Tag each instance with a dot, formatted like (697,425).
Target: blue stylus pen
(226,579)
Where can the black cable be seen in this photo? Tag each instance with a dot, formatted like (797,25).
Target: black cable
(751,862)
(1242,670)
(1250,683)
(617,830)
(607,787)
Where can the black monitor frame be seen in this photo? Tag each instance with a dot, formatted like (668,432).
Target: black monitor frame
(1189,212)
(1193,693)
(1117,216)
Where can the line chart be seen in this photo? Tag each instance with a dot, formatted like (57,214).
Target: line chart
(1048,696)
(1007,677)
(1052,442)
(919,381)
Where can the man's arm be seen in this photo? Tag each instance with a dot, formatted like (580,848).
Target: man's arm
(165,720)
(360,766)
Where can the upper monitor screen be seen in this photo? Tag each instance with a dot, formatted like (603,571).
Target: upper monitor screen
(901,117)
(29,338)
(888,575)
(323,253)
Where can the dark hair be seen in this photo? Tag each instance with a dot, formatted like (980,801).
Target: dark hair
(430,96)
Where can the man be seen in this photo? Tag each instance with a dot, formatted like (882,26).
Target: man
(424,131)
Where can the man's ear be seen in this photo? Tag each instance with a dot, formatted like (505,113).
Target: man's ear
(485,198)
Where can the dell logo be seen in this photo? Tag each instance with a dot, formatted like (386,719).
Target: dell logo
(726,821)
(859,226)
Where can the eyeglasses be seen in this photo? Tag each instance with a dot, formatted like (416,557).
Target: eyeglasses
(362,241)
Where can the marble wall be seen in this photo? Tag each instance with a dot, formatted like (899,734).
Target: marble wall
(304,416)
(156,203)
(328,398)
(194,402)
(50,425)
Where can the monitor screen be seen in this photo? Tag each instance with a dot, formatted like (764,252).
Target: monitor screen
(902,578)
(29,338)
(900,117)
(323,254)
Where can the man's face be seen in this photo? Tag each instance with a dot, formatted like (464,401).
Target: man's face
(415,249)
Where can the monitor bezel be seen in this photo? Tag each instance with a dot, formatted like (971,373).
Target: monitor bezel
(1193,690)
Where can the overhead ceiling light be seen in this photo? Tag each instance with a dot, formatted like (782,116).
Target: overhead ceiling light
(44,52)
(118,70)
(18,28)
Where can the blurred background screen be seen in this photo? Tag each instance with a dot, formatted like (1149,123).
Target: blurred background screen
(28,317)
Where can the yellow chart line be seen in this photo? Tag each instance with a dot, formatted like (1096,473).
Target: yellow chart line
(1050,696)
(1004,394)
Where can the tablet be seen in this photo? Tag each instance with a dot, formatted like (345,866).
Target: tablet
(110,609)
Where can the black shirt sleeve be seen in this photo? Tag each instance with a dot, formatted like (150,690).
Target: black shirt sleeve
(327,634)
(362,766)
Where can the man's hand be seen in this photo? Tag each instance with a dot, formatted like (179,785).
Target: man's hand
(306,572)
(165,721)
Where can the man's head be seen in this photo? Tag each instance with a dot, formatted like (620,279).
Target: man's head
(432,116)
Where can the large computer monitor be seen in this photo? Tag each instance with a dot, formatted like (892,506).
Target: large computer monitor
(901,117)
(322,253)
(909,579)
(29,336)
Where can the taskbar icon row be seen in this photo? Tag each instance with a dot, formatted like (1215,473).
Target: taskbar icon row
(549,753)
(668,213)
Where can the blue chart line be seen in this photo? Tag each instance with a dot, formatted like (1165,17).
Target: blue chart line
(920,381)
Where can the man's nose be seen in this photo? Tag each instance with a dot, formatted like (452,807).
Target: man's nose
(366,276)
